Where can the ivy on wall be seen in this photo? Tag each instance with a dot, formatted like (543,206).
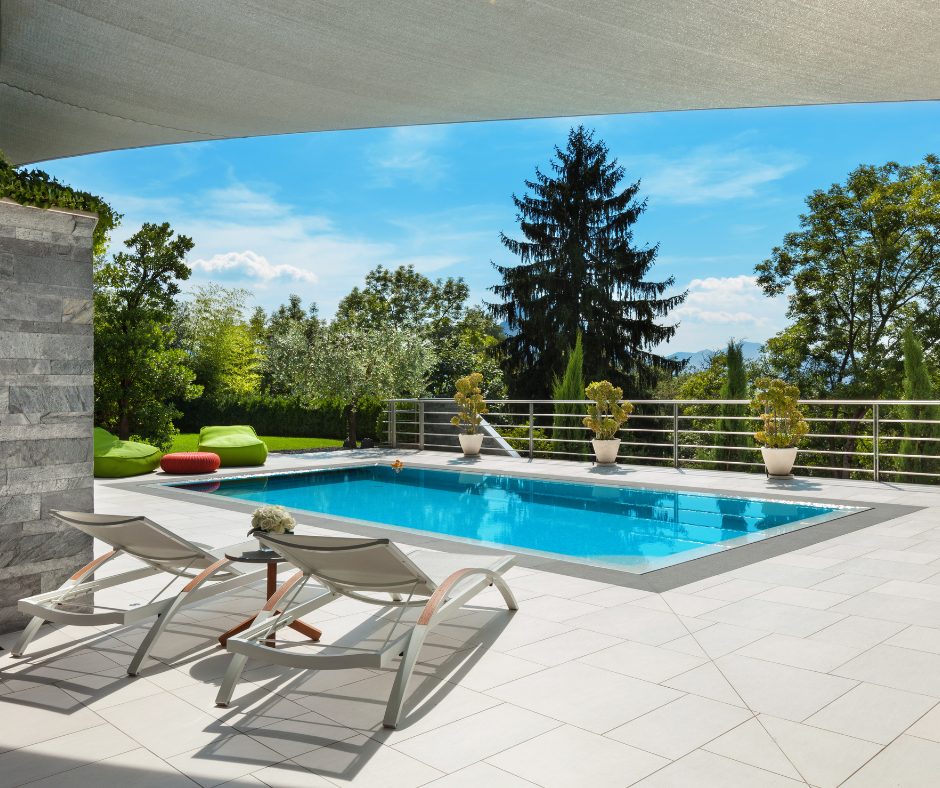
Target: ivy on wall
(39,189)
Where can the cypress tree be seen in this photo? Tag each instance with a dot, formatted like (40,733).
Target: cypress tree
(578,271)
(917,385)
(734,387)
(571,386)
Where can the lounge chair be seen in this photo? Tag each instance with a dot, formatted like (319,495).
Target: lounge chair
(161,552)
(358,568)
(235,446)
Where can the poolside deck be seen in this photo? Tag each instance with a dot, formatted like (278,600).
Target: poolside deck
(819,666)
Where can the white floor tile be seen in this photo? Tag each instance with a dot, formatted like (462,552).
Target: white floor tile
(703,769)
(41,713)
(365,763)
(648,663)
(799,652)
(480,775)
(588,697)
(907,762)
(569,756)
(674,730)
(708,682)
(565,648)
(633,623)
(780,690)
(823,758)
(874,713)
(139,768)
(475,738)
(901,668)
(224,760)
(751,744)
(773,617)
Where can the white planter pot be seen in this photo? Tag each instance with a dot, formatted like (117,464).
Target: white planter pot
(606,451)
(779,462)
(471,443)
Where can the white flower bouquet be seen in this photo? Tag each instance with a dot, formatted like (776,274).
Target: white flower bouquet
(272,519)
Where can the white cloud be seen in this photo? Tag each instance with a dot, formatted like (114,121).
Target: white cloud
(718,308)
(709,173)
(236,265)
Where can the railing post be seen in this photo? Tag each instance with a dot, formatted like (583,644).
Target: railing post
(392,424)
(421,424)
(874,441)
(531,430)
(675,434)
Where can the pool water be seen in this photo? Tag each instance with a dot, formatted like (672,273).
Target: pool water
(624,527)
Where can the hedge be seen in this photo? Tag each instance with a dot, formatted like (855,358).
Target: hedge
(284,417)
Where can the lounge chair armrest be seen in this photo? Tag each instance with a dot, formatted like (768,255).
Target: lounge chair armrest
(279,594)
(90,567)
(440,595)
(205,574)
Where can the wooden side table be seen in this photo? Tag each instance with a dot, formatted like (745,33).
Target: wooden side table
(249,553)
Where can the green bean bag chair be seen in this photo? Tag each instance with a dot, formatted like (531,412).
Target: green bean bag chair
(115,458)
(234,445)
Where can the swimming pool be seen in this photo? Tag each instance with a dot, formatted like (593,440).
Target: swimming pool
(628,528)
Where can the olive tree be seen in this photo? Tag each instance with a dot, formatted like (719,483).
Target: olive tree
(348,360)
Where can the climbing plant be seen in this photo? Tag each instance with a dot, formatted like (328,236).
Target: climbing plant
(39,189)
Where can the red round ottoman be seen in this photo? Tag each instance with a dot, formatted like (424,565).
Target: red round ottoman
(190,462)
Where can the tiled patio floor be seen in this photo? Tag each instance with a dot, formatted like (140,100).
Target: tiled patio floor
(819,667)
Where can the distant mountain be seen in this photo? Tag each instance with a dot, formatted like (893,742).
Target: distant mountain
(700,358)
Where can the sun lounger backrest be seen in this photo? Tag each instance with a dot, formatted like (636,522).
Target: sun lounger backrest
(351,563)
(141,538)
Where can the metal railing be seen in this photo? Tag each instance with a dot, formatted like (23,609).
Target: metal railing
(870,439)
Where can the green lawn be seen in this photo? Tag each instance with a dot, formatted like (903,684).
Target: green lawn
(190,441)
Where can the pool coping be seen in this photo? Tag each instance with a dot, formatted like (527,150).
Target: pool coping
(657,580)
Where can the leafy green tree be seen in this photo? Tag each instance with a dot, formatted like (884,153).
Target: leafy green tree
(917,385)
(865,264)
(137,371)
(348,361)
(734,387)
(405,297)
(579,271)
(220,344)
(464,339)
(570,386)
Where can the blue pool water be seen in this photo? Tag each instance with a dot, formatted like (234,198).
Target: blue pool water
(596,524)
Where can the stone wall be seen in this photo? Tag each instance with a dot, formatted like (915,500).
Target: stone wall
(46,398)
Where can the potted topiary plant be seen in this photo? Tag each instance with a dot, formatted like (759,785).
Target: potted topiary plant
(784,427)
(605,417)
(471,407)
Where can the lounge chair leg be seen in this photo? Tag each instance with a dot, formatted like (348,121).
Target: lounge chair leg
(26,638)
(508,597)
(236,666)
(397,699)
(232,675)
(143,651)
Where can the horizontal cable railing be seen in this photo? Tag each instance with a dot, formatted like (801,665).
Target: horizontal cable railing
(864,439)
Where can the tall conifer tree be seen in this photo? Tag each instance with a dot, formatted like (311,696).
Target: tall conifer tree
(734,387)
(917,386)
(571,386)
(579,272)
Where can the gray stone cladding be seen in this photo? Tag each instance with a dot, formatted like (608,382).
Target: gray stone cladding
(46,398)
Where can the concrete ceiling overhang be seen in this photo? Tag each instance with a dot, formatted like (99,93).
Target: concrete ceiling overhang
(81,76)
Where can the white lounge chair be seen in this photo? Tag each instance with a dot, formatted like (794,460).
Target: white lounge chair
(358,568)
(161,552)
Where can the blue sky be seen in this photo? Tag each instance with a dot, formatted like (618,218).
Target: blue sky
(312,213)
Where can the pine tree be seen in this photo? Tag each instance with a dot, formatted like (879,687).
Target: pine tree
(917,385)
(579,271)
(571,386)
(734,387)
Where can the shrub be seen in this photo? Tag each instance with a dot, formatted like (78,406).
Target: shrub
(286,417)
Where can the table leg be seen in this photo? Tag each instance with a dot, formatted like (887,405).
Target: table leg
(299,626)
